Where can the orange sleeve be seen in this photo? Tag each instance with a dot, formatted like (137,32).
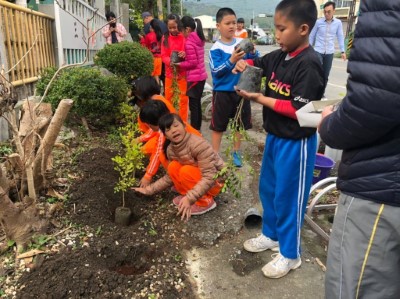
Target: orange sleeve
(142,126)
(154,163)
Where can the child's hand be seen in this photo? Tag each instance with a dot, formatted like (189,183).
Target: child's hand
(182,54)
(185,208)
(239,67)
(140,190)
(254,96)
(144,182)
(327,111)
(237,55)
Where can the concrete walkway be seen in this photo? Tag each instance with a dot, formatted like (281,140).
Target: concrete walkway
(225,270)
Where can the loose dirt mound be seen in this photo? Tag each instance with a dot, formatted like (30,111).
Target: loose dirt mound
(143,259)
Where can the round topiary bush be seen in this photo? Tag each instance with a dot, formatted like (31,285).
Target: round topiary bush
(95,96)
(129,60)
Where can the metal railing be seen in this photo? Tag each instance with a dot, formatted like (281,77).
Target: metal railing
(72,37)
(26,42)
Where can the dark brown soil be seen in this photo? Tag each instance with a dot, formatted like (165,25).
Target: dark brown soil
(142,259)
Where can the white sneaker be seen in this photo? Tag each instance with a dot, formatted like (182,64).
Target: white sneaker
(260,243)
(280,266)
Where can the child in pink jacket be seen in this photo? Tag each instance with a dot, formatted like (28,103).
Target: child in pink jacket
(196,74)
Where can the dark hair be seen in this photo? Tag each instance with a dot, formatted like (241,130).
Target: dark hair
(240,20)
(157,29)
(110,15)
(177,19)
(145,87)
(299,11)
(165,123)
(222,12)
(152,111)
(195,25)
(330,3)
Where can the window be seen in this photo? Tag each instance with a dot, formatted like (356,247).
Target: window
(343,3)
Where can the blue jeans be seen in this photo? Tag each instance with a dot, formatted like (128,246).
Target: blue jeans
(326,61)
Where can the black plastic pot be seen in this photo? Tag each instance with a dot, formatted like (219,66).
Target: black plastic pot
(175,57)
(245,45)
(122,216)
(250,80)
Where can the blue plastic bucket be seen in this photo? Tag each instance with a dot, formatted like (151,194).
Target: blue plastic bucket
(322,168)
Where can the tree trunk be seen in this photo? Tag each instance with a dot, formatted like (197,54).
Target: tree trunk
(19,223)
(42,155)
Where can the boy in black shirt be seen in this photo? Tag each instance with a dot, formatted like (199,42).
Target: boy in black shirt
(294,78)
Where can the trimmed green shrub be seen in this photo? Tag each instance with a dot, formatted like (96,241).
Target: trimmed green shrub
(95,95)
(129,60)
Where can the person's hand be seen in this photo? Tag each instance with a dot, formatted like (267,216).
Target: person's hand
(182,54)
(327,111)
(344,56)
(185,209)
(140,36)
(239,67)
(144,182)
(237,55)
(253,96)
(140,190)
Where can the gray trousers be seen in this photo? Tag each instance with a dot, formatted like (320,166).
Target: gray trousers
(364,251)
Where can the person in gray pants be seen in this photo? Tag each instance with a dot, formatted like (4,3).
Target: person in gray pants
(364,248)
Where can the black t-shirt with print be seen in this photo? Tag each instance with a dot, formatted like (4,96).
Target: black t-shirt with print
(298,79)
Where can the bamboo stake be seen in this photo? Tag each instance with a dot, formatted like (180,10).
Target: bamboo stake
(41,47)
(14,37)
(19,44)
(8,39)
(36,56)
(29,41)
(44,31)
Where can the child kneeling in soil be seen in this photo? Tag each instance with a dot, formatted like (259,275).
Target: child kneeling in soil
(153,144)
(192,167)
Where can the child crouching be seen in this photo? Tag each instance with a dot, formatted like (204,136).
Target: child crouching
(192,167)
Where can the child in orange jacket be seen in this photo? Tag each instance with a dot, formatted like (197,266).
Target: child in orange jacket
(146,88)
(174,40)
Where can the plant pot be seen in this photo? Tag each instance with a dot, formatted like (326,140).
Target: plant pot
(250,80)
(122,216)
(175,57)
(245,45)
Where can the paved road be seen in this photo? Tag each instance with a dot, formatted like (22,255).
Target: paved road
(337,80)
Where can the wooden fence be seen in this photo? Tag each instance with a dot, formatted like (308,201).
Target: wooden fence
(26,40)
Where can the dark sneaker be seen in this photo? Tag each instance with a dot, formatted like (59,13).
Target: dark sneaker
(237,159)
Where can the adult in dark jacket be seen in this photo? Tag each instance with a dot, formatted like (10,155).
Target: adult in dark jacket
(364,248)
